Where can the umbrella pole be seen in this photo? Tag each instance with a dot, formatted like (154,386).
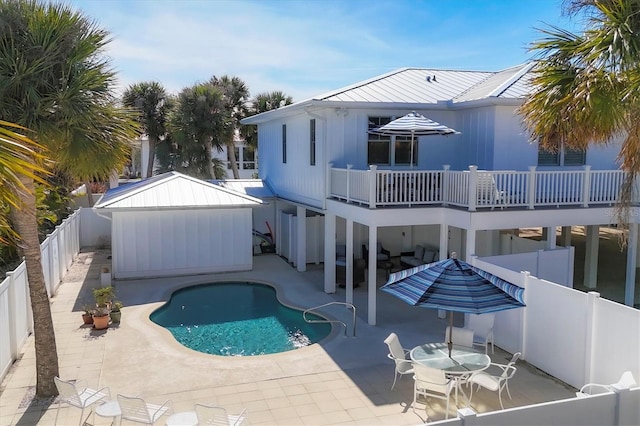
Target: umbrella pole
(450,342)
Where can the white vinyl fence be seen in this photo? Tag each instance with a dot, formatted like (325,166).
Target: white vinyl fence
(576,337)
(16,323)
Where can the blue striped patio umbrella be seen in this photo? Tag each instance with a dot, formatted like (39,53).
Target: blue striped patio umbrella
(455,286)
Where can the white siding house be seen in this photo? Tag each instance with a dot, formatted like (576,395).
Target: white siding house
(172,224)
(317,157)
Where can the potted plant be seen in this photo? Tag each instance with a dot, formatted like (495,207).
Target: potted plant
(116,314)
(103,295)
(101,318)
(87,316)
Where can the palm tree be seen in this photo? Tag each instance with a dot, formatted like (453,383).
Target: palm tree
(150,100)
(236,94)
(195,126)
(54,81)
(17,153)
(263,102)
(587,86)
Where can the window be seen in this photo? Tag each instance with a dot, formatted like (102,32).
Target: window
(402,147)
(563,157)
(284,143)
(312,142)
(249,162)
(236,151)
(378,149)
(379,146)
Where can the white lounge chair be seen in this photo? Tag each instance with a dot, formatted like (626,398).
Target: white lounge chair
(399,355)
(137,410)
(212,415)
(79,396)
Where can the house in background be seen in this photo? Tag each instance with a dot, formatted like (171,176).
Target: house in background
(462,192)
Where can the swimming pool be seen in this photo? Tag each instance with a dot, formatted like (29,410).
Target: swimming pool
(236,319)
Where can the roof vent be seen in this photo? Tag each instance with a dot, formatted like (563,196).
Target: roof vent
(428,78)
(434,78)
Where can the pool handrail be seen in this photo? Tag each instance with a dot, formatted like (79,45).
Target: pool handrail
(348,305)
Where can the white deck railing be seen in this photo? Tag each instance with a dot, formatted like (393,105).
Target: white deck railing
(475,188)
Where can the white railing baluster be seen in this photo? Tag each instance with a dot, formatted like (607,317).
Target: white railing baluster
(372,185)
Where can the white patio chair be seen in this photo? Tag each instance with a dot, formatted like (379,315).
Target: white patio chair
(431,382)
(482,327)
(495,383)
(460,336)
(399,355)
(212,415)
(137,410)
(79,396)
(626,381)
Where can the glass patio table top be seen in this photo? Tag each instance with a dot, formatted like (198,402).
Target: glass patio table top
(463,360)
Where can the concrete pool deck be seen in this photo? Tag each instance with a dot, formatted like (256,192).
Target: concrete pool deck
(341,380)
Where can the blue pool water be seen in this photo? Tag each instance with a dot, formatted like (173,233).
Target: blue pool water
(236,319)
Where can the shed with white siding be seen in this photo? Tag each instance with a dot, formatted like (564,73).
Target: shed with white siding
(173,224)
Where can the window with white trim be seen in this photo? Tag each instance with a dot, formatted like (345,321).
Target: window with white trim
(312,142)
(284,143)
(379,146)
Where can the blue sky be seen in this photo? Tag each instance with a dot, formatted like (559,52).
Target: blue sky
(306,48)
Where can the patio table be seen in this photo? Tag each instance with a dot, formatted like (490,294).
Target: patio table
(183,418)
(463,361)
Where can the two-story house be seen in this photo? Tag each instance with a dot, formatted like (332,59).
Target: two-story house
(458,194)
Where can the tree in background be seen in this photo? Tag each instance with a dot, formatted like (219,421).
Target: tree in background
(235,95)
(151,101)
(55,81)
(196,126)
(587,86)
(263,102)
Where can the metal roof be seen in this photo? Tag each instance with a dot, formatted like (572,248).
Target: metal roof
(253,187)
(173,190)
(419,86)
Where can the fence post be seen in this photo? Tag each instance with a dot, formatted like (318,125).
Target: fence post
(373,177)
(349,166)
(473,190)
(468,416)
(444,193)
(327,183)
(13,339)
(586,186)
(523,325)
(590,321)
(531,188)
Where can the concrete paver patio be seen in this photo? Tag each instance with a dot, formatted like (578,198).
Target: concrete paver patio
(341,380)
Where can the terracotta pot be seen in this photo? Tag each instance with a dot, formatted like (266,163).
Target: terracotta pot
(87,319)
(100,323)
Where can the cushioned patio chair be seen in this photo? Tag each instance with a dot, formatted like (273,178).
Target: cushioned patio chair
(212,415)
(399,355)
(138,410)
(432,382)
(495,383)
(79,396)
(382,254)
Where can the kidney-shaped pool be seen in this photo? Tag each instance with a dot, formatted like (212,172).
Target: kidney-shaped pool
(236,319)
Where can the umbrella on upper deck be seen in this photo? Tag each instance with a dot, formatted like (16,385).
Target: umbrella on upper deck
(455,286)
(413,124)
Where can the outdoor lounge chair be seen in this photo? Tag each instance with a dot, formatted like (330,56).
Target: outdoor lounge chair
(626,381)
(495,383)
(399,355)
(137,410)
(212,415)
(78,396)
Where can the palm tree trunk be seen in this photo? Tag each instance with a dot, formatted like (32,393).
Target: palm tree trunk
(87,186)
(209,147)
(44,336)
(231,155)
(152,156)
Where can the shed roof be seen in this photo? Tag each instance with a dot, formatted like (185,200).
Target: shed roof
(253,187)
(173,190)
